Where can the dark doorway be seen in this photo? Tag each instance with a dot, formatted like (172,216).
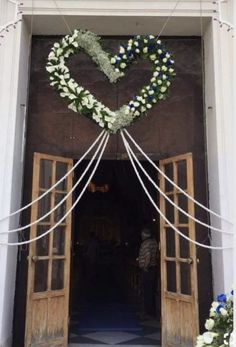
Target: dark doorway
(106,294)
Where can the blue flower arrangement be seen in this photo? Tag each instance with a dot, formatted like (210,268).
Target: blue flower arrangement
(219,325)
(80,100)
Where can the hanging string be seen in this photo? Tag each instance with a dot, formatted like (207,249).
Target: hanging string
(12,24)
(69,211)
(168,19)
(160,212)
(168,199)
(64,199)
(173,183)
(58,182)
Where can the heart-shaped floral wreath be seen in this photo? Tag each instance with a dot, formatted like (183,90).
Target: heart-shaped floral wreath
(82,101)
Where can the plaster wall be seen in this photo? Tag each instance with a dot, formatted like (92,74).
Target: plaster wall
(13,72)
(14,56)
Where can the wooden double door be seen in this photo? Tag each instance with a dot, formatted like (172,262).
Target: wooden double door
(47,314)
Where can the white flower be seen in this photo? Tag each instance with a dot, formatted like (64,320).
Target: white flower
(208,337)
(153,79)
(123,65)
(156,73)
(127,110)
(72,107)
(149,106)
(153,57)
(164,60)
(223,311)
(125,56)
(145,41)
(137,50)
(136,43)
(101,124)
(171,70)
(130,42)
(151,92)
(168,83)
(164,77)
(209,324)
(59,51)
(143,108)
(159,51)
(151,37)
(113,60)
(212,312)
(200,341)
(159,42)
(159,82)
(163,89)
(75,44)
(145,50)
(51,55)
(167,55)
(56,45)
(136,104)
(137,113)
(164,68)
(117,70)
(50,69)
(156,61)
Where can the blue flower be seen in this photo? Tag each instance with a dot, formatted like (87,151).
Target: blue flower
(151,47)
(218,308)
(162,55)
(232,292)
(168,63)
(150,98)
(222,298)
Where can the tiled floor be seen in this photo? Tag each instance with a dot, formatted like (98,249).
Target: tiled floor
(148,336)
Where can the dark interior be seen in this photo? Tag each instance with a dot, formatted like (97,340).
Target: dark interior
(108,221)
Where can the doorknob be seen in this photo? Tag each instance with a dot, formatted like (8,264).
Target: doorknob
(34,258)
(190,261)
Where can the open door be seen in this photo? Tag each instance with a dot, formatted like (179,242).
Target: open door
(49,257)
(178,257)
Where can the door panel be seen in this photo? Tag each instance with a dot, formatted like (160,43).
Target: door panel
(178,257)
(49,257)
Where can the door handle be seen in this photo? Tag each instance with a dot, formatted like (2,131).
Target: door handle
(190,260)
(34,258)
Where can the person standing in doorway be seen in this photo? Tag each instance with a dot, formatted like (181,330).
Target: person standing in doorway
(147,259)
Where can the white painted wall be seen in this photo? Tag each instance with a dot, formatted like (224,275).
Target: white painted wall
(13,72)
(219,120)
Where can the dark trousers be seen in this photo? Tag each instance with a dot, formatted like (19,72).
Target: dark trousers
(149,286)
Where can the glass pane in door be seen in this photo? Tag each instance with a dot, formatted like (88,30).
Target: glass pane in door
(42,245)
(57,274)
(185,278)
(59,241)
(45,176)
(171,276)
(41,276)
(61,170)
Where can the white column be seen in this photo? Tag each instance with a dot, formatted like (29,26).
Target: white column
(220,137)
(14,58)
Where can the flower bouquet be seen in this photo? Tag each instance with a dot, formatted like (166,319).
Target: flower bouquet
(219,325)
